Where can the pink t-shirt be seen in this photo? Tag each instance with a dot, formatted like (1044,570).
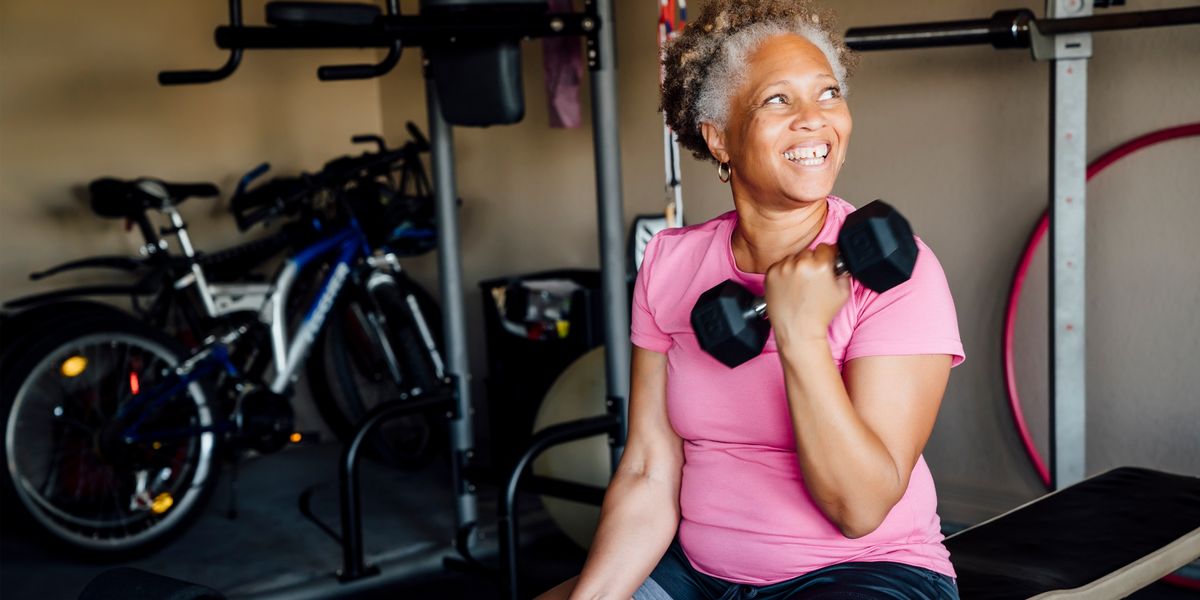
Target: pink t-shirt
(747,516)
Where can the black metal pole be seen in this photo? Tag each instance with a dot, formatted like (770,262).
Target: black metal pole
(1007,29)
(413,30)
(353,566)
(1116,21)
(543,440)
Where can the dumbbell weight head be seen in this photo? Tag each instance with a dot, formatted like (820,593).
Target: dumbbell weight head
(727,326)
(876,244)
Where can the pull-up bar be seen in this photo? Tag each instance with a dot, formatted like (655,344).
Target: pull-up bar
(1067,43)
(1008,29)
(371,29)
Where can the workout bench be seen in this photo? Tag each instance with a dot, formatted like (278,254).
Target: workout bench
(1103,537)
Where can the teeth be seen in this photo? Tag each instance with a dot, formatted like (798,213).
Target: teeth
(808,155)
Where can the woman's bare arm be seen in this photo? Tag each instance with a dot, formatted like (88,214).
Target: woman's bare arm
(641,508)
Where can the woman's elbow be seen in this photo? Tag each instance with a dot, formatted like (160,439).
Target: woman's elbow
(860,522)
(856,530)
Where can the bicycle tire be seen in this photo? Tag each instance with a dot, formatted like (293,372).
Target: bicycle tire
(347,379)
(88,474)
(18,329)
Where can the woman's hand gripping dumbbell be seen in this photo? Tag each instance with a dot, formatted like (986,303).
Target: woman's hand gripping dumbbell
(875,245)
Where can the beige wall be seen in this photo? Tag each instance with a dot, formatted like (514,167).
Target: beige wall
(958,140)
(955,138)
(79,100)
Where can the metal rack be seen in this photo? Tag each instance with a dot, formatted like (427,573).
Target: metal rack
(1063,37)
(395,32)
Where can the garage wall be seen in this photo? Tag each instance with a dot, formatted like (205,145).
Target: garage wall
(958,140)
(79,100)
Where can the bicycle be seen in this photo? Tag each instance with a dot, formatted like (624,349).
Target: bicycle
(110,437)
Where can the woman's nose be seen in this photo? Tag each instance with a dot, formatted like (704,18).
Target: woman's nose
(807,116)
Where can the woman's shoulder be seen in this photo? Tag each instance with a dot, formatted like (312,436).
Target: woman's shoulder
(677,254)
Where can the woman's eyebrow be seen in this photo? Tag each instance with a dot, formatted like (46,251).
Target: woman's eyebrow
(788,82)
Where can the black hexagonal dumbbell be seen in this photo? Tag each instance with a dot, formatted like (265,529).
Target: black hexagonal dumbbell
(875,245)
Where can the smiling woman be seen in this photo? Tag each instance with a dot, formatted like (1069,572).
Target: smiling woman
(800,470)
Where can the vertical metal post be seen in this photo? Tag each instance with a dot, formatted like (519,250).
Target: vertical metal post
(1068,171)
(610,213)
(462,438)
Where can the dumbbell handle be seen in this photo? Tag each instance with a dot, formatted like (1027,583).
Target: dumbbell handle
(758,307)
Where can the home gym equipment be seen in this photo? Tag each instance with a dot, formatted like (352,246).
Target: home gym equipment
(1104,537)
(470,48)
(1064,38)
(577,393)
(1113,567)
(875,245)
(1018,282)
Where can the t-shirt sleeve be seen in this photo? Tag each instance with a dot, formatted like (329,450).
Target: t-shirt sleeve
(915,317)
(644,331)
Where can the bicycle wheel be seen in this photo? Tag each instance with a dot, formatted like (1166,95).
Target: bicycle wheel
(66,458)
(349,371)
(18,329)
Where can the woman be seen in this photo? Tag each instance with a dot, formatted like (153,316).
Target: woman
(799,473)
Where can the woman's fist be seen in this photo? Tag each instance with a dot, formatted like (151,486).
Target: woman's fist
(803,294)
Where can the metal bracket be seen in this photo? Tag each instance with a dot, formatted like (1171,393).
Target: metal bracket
(616,406)
(591,24)
(1059,47)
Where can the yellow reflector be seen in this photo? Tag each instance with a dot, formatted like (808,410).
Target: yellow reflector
(296,437)
(73,366)
(564,328)
(162,503)
(157,445)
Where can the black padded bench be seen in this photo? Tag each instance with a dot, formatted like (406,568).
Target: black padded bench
(1104,537)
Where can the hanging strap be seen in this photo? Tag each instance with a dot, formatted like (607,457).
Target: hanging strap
(672,17)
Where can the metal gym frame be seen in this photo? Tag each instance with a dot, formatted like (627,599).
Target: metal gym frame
(394,31)
(1063,37)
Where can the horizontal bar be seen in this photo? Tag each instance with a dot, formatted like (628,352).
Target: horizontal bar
(1117,21)
(1007,29)
(412,30)
(920,35)
(567,490)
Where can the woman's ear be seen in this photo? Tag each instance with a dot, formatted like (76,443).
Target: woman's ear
(715,138)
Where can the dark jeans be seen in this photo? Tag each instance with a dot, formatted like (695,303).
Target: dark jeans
(675,579)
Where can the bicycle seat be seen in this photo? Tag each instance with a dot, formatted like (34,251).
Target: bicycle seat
(299,14)
(118,198)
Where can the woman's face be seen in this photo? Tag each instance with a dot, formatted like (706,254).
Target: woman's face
(788,125)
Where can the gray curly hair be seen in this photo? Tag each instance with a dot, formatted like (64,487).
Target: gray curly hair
(703,66)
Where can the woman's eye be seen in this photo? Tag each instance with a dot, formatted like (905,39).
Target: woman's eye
(777,99)
(830,93)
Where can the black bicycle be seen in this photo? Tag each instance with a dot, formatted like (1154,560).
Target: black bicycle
(113,430)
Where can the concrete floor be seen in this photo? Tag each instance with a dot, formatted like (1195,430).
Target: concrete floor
(271,552)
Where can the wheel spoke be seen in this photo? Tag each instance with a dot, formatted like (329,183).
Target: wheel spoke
(79,490)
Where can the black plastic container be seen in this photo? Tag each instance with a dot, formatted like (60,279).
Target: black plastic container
(521,370)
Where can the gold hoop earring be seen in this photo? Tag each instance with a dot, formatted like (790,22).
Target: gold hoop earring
(724,172)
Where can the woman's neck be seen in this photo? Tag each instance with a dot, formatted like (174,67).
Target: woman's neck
(764,235)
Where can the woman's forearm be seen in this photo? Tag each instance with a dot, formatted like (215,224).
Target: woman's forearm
(637,523)
(845,465)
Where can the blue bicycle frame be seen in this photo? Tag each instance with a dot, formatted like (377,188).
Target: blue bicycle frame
(350,243)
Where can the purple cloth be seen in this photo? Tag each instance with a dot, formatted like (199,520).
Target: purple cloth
(562,62)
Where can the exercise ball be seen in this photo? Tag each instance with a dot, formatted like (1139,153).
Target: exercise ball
(578,393)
